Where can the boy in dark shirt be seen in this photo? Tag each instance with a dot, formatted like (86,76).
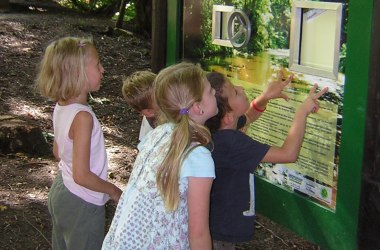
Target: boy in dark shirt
(237,155)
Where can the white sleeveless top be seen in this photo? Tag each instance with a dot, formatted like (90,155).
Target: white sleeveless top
(63,117)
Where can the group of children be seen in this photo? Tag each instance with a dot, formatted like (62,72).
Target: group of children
(189,187)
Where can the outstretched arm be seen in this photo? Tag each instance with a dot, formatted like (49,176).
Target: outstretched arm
(198,202)
(273,91)
(292,144)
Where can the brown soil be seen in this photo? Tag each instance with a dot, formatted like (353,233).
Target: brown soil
(25,180)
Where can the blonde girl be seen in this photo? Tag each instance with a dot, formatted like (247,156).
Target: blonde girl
(69,70)
(166,202)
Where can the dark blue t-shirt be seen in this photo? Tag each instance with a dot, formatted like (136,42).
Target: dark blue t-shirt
(235,155)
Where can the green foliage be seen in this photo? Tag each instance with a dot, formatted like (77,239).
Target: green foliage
(342,58)
(130,12)
(279,25)
(67,3)
(91,6)
(259,13)
(206,30)
(280,61)
(270,25)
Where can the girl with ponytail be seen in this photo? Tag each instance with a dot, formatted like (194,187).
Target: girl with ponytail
(166,202)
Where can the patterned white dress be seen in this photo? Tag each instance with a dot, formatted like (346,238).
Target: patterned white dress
(140,220)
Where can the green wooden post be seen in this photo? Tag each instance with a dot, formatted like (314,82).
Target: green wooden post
(354,114)
(173,48)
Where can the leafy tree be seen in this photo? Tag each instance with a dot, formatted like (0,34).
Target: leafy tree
(259,12)
(123,5)
(208,48)
(270,25)
(140,22)
(279,25)
(102,7)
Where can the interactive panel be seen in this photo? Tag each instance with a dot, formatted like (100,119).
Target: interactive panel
(311,54)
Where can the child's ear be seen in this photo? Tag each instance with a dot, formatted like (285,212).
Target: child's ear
(197,108)
(148,112)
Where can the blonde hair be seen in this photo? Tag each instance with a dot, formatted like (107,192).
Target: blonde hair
(138,90)
(179,87)
(62,69)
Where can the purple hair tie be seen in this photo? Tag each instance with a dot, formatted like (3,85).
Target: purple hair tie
(183,111)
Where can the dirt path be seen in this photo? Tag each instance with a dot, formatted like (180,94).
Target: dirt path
(25,180)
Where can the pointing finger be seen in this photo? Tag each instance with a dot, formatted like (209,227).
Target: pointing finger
(313,89)
(279,75)
(320,93)
(288,80)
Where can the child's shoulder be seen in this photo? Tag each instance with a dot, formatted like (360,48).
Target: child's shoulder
(69,112)
(233,140)
(228,138)
(74,107)
(152,137)
(228,134)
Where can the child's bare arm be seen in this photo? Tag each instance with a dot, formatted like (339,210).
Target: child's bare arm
(55,150)
(80,132)
(292,144)
(273,91)
(198,202)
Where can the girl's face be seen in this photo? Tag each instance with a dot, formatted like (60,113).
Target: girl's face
(94,70)
(237,99)
(208,103)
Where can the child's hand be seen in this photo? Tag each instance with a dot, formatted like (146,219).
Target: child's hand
(115,195)
(275,87)
(311,105)
(273,90)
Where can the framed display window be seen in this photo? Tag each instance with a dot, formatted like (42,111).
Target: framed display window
(315,38)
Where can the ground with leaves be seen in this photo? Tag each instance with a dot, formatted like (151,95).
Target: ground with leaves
(25,180)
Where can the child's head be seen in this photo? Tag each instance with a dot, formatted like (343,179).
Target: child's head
(182,91)
(230,99)
(187,100)
(138,91)
(70,66)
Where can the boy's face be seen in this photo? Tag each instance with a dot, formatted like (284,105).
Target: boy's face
(237,99)
(155,108)
(153,111)
(208,101)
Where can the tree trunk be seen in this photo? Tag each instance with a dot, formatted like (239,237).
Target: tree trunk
(18,134)
(4,6)
(119,22)
(159,17)
(144,16)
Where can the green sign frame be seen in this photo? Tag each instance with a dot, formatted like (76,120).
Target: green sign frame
(329,229)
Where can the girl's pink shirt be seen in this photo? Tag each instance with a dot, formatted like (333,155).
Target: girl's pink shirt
(63,117)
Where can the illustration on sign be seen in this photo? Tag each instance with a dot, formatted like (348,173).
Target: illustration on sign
(250,50)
